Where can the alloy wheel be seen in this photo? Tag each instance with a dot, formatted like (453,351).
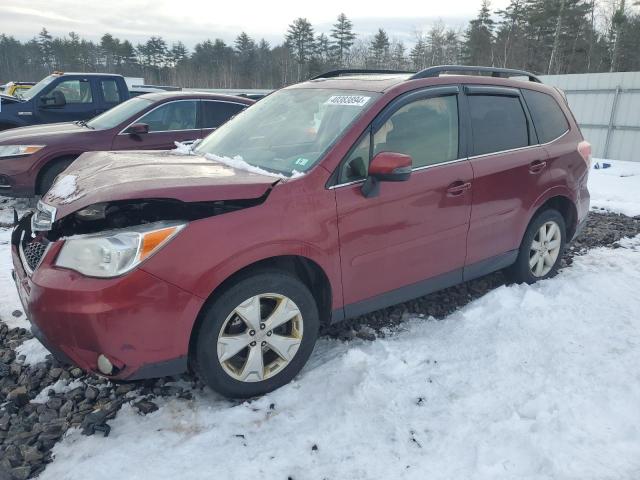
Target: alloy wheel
(545,249)
(260,337)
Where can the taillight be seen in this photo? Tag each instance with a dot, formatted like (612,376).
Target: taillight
(584,149)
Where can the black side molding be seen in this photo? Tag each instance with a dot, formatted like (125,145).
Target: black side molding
(425,287)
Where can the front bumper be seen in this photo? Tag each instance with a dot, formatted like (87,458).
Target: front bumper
(140,322)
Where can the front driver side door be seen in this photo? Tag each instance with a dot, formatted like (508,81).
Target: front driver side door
(81,103)
(175,121)
(411,238)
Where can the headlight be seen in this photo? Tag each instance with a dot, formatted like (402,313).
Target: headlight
(113,253)
(18,150)
(43,218)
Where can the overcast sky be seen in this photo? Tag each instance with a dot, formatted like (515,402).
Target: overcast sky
(192,21)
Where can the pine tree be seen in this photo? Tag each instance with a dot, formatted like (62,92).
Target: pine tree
(379,49)
(477,48)
(300,40)
(510,37)
(418,54)
(45,42)
(246,50)
(398,56)
(343,37)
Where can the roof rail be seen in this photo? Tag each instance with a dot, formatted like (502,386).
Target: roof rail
(495,72)
(356,71)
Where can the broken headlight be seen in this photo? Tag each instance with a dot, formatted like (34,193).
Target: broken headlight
(115,252)
(43,218)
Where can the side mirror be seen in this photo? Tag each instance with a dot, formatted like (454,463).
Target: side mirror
(386,167)
(56,99)
(138,129)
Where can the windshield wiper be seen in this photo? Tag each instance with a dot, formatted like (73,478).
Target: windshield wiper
(83,123)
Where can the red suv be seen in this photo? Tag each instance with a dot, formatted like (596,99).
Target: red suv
(325,200)
(32,157)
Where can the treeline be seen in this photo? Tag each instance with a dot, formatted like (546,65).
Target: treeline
(543,36)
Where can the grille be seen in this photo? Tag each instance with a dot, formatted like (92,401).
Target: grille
(33,253)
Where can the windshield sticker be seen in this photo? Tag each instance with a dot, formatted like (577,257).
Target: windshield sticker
(302,161)
(348,100)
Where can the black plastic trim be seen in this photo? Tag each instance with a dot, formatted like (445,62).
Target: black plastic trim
(175,366)
(483,267)
(495,72)
(358,71)
(425,287)
(491,90)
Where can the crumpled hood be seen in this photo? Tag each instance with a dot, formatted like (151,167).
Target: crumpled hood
(39,133)
(97,177)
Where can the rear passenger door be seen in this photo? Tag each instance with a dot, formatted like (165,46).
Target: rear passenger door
(110,94)
(411,238)
(170,122)
(510,172)
(216,112)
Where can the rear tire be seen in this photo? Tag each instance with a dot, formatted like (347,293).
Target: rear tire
(52,171)
(541,248)
(241,349)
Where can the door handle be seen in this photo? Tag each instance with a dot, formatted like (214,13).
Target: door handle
(458,188)
(537,166)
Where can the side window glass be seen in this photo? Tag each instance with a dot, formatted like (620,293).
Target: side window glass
(215,114)
(110,91)
(548,118)
(498,123)
(172,116)
(427,130)
(74,91)
(357,163)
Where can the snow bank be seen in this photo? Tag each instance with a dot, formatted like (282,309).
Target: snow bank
(65,189)
(528,382)
(617,188)
(33,350)
(10,301)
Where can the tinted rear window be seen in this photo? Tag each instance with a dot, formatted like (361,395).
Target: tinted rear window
(498,123)
(215,113)
(547,115)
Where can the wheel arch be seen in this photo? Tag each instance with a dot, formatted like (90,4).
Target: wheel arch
(47,164)
(562,202)
(304,268)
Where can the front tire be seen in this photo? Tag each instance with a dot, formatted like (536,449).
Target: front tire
(541,249)
(50,174)
(257,335)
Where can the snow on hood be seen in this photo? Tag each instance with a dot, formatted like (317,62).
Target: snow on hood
(235,162)
(97,177)
(65,189)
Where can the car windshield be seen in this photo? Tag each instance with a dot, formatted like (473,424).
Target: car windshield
(37,88)
(290,130)
(119,113)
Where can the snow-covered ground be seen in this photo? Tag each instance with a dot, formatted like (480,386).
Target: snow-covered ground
(617,188)
(529,382)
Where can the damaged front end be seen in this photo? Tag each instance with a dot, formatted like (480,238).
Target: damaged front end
(116,235)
